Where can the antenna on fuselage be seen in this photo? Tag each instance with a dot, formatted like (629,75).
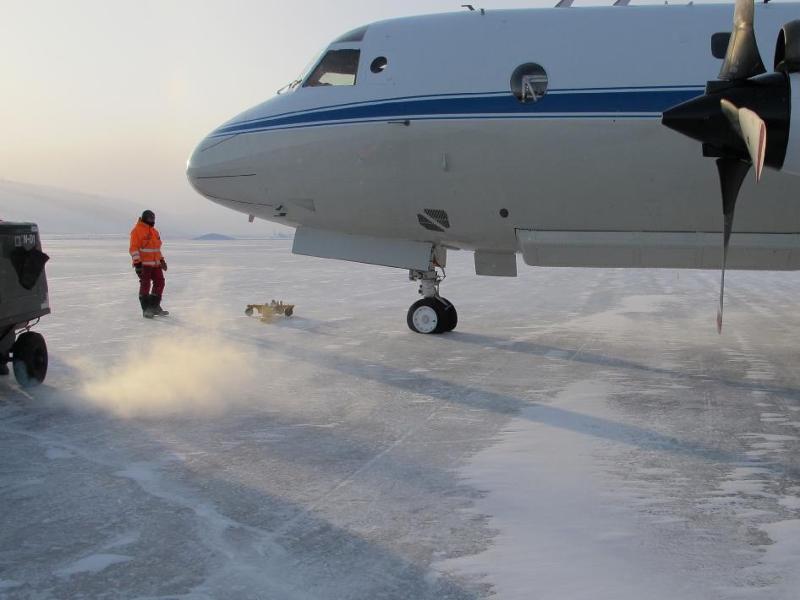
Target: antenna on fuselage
(472,8)
(564,3)
(622,2)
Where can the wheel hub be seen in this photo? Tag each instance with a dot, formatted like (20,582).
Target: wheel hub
(425,319)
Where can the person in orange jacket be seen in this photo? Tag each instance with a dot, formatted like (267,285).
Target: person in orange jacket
(149,264)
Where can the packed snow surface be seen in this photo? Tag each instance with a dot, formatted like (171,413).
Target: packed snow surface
(583,434)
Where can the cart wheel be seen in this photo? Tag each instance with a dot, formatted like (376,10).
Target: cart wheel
(249,311)
(289,312)
(30,359)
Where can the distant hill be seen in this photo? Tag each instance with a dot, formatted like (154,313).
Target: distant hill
(59,211)
(67,212)
(216,237)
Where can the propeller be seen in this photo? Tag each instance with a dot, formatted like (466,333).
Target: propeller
(738,137)
(742,61)
(753,132)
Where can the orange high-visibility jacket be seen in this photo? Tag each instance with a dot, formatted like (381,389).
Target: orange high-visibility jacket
(145,245)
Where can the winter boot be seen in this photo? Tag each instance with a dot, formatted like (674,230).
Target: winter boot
(156,306)
(147,306)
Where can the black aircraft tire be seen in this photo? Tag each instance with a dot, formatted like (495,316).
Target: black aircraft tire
(432,316)
(451,313)
(426,316)
(30,359)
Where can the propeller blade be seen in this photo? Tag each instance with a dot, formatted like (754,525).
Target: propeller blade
(732,172)
(753,131)
(731,111)
(742,60)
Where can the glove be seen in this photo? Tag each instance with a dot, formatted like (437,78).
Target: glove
(138,268)
(163,264)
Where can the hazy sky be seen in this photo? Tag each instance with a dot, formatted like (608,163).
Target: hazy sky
(110,96)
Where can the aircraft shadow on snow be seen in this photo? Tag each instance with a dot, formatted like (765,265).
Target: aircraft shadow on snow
(546,414)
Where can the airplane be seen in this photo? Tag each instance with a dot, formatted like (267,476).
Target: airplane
(546,132)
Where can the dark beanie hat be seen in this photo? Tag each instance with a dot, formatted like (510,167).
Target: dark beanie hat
(148,214)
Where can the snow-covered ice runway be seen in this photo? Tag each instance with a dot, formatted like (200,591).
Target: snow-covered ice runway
(584,434)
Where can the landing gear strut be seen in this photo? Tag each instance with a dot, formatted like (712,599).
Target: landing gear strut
(432,314)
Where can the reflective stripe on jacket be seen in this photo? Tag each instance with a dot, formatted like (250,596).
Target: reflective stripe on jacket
(145,245)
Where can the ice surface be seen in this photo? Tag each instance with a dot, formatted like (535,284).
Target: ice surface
(583,434)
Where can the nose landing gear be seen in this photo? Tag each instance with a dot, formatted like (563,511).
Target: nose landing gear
(432,314)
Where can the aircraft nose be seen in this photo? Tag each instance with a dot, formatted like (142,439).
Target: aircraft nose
(222,170)
(204,164)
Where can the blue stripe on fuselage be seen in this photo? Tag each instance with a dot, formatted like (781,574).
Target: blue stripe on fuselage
(611,103)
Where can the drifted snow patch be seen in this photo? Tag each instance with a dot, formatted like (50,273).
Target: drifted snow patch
(563,531)
(783,555)
(8,584)
(93,564)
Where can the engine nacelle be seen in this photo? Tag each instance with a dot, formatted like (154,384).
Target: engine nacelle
(787,49)
(791,163)
(787,60)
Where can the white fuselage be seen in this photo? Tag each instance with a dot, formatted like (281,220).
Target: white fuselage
(586,176)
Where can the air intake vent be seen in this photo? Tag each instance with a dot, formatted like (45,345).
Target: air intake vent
(439,216)
(427,224)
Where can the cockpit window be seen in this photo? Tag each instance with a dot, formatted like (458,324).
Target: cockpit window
(292,86)
(338,67)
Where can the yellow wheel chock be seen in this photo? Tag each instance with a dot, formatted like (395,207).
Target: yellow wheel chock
(269,312)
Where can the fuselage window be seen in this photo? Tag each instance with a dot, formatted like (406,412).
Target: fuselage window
(529,82)
(338,67)
(379,65)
